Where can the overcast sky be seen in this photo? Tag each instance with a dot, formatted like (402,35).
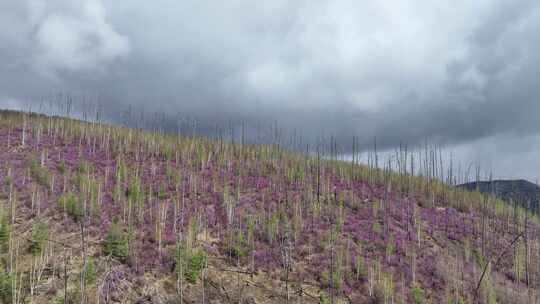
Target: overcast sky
(462,73)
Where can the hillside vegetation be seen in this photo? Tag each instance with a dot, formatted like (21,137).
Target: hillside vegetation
(95,213)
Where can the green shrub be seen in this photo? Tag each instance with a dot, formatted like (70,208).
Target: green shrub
(41,175)
(360,268)
(5,287)
(195,265)
(190,263)
(90,271)
(456,301)
(238,247)
(95,208)
(237,252)
(162,193)
(40,235)
(8,181)
(331,279)
(4,233)
(384,288)
(390,247)
(479,258)
(59,299)
(377,228)
(324,298)
(134,192)
(62,167)
(72,206)
(116,243)
(417,294)
(83,168)
(34,166)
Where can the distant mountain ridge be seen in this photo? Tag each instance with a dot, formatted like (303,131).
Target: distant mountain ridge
(519,190)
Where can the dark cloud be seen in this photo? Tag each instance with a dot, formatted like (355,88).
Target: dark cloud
(455,73)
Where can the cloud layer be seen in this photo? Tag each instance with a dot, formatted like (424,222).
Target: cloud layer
(78,39)
(453,72)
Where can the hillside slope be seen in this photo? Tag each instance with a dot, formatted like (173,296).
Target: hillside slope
(93,213)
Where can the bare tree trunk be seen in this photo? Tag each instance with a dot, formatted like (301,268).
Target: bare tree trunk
(83,272)
(65,277)
(526,243)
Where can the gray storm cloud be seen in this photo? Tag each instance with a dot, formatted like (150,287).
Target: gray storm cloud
(453,72)
(80,39)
